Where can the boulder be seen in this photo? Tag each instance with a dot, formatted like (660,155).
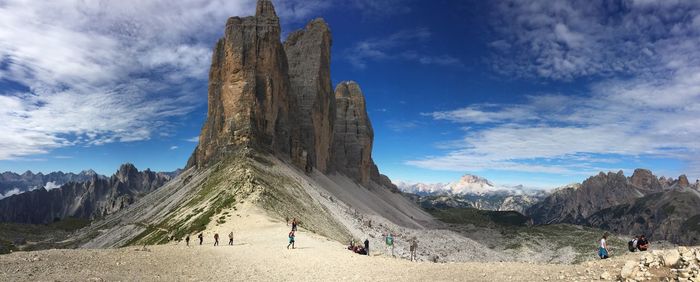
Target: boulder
(670,258)
(629,270)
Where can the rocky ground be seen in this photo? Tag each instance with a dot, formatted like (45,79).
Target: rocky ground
(259,254)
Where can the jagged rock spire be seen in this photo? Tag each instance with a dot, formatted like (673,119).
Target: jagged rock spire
(265,8)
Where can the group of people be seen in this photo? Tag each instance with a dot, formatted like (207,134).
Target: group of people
(637,243)
(389,240)
(359,249)
(216,239)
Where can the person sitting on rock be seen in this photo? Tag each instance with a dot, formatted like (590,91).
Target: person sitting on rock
(603,248)
(642,243)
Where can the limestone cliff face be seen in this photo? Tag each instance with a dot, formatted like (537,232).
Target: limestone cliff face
(248,89)
(279,99)
(309,56)
(352,133)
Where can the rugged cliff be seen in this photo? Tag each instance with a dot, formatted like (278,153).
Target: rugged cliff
(94,198)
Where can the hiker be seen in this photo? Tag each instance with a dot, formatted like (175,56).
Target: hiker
(294,224)
(390,244)
(187,240)
(642,243)
(216,239)
(291,239)
(603,248)
(201,238)
(367,246)
(413,248)
(286,219)
(230,239)
(632,244)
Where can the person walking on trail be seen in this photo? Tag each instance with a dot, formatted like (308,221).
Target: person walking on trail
(603,248)
(230,239)
(367,246)
(413,248)
(294,224)
(187,240)
(390,244)
(291,239)
(216,239)
(201,238)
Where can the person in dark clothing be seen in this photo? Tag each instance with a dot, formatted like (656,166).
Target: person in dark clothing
(187,240)
(642,243)
(201,238)
(367,246)
(216,239)
(294,224)
(230,239)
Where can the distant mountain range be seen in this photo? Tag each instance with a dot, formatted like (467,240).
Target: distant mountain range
(471,191)
(86,195)
(662,208)
(12,183)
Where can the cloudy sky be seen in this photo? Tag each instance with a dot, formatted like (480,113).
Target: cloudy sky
(540,93)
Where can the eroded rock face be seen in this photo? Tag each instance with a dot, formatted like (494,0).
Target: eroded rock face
(643,178)
(248,89)
(309,54)
(352,133)
(683,181)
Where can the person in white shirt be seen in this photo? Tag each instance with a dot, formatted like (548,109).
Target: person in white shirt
(603,248)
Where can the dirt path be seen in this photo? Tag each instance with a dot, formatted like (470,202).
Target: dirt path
(259,254)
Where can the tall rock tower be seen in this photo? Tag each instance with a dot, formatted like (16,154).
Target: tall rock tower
(309,54)
(248,89)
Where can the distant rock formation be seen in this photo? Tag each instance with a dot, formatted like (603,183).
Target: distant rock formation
(640,204)
(91,199)
(278,98)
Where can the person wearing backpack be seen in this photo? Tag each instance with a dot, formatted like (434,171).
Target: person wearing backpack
(187,240)
(216,239)
(632,244)
(291,240)
(367,246)
(230,239)
(390,244)
(201,238)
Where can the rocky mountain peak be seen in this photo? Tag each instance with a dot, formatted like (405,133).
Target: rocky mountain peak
(265,9)
(683,181)
(643,178)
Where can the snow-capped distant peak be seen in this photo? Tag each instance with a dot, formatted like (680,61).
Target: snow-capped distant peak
(471,184)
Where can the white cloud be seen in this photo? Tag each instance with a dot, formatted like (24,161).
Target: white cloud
(565,39)
(51,185)
(174,147)
(193,139)
(9,193)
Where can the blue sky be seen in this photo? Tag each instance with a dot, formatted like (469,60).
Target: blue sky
(540,93)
